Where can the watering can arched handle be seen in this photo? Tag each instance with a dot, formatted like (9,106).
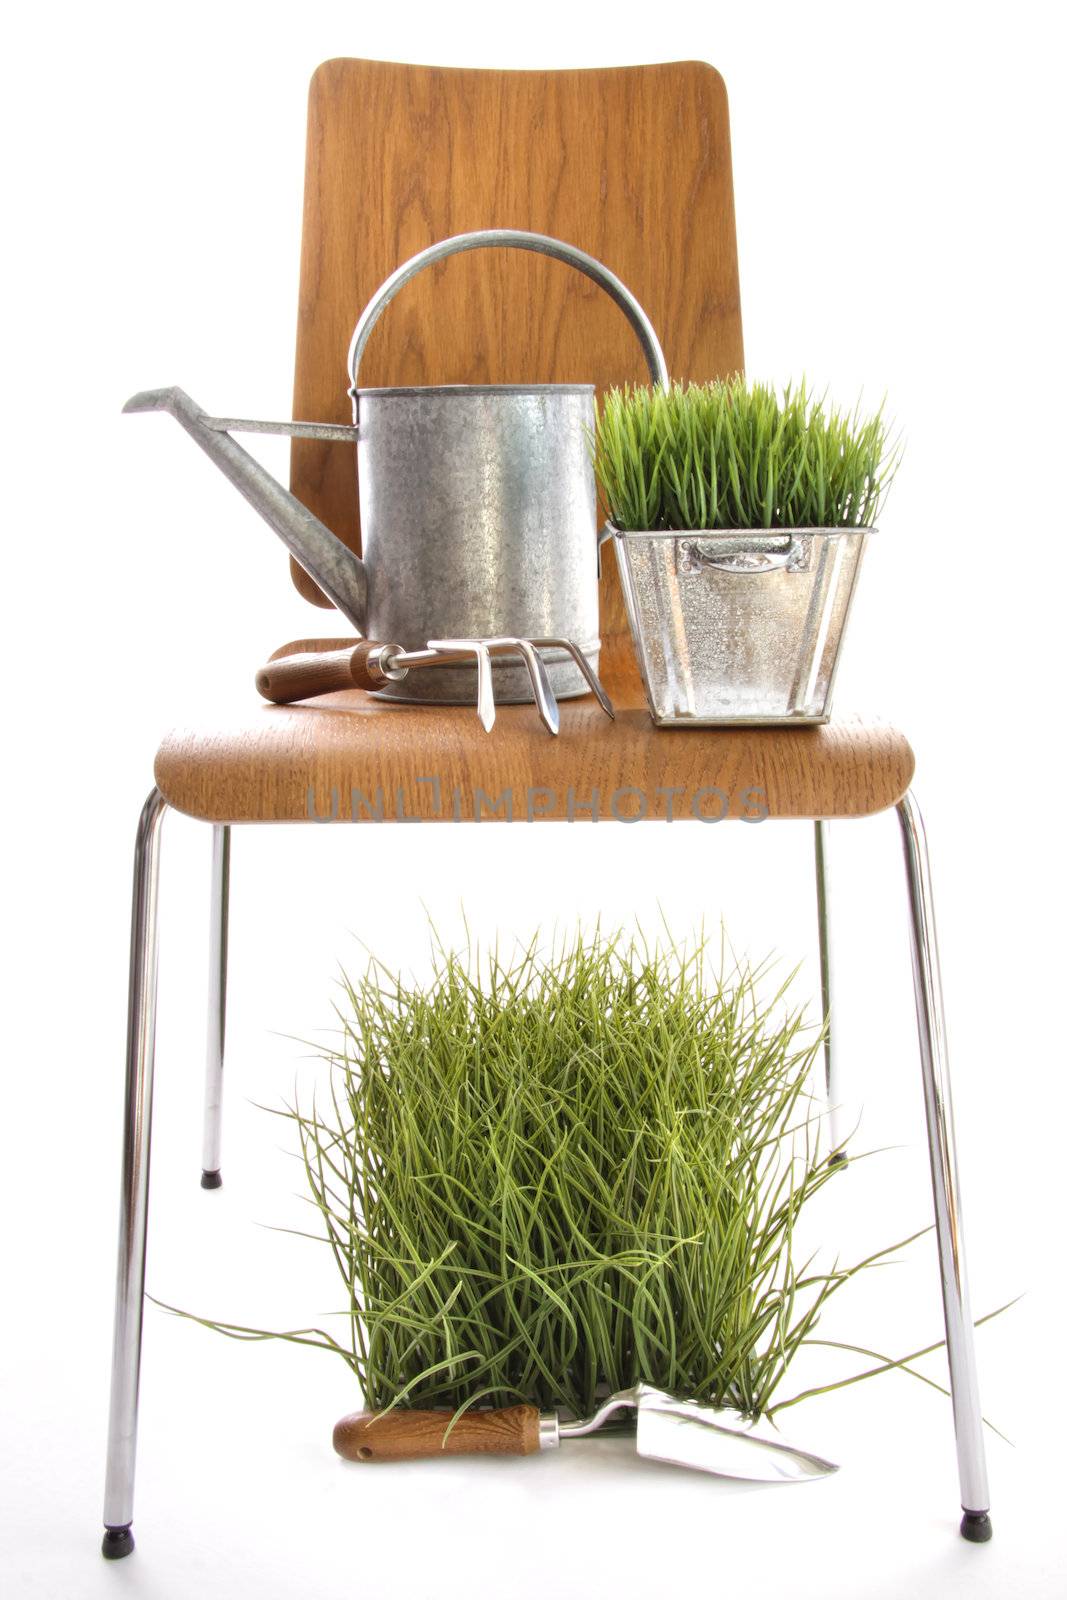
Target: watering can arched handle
(515,239)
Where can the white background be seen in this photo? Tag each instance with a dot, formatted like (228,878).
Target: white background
(897,174)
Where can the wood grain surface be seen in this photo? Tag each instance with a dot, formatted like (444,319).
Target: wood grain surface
(413,1435)
(631,164)
(349,757)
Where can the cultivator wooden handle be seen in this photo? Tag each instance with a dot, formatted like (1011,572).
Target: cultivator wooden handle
(413,1435)
(298,677)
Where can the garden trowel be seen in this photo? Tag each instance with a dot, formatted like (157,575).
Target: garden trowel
(708,1438)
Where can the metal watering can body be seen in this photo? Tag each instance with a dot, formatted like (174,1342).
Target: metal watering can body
(477,503)
(479,516)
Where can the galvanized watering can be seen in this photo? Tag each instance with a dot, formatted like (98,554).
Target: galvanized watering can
(477,503)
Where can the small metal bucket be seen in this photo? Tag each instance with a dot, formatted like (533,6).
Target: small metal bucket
(738,627)
(478,503)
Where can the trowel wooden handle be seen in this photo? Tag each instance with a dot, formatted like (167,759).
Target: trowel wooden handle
(298,677)
(415,1435)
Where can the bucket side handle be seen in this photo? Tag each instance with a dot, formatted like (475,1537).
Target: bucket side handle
(514,239)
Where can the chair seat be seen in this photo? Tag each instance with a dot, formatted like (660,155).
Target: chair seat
(346,756)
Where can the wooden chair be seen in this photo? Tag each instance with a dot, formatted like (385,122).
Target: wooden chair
(633,166)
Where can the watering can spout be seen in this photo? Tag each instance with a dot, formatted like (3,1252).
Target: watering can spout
(156,400)
(338,572)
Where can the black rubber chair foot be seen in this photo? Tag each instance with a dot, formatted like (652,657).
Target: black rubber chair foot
(211,1180)
(118,1542)
(838,1159)
(977,1527)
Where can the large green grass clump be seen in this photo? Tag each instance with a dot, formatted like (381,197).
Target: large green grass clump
(574,1172)
(734,455)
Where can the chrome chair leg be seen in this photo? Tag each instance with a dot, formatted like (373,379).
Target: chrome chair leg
(211,1162)
(133,1219)
(959,1326)
(822,897)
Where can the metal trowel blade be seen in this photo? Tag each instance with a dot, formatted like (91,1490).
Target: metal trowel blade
(711,1439)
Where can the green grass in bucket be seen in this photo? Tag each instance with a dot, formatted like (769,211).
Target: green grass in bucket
(734,455)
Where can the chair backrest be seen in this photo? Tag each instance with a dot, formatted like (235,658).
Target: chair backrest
(631,164)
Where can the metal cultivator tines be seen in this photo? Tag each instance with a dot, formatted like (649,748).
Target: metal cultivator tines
(370,665)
